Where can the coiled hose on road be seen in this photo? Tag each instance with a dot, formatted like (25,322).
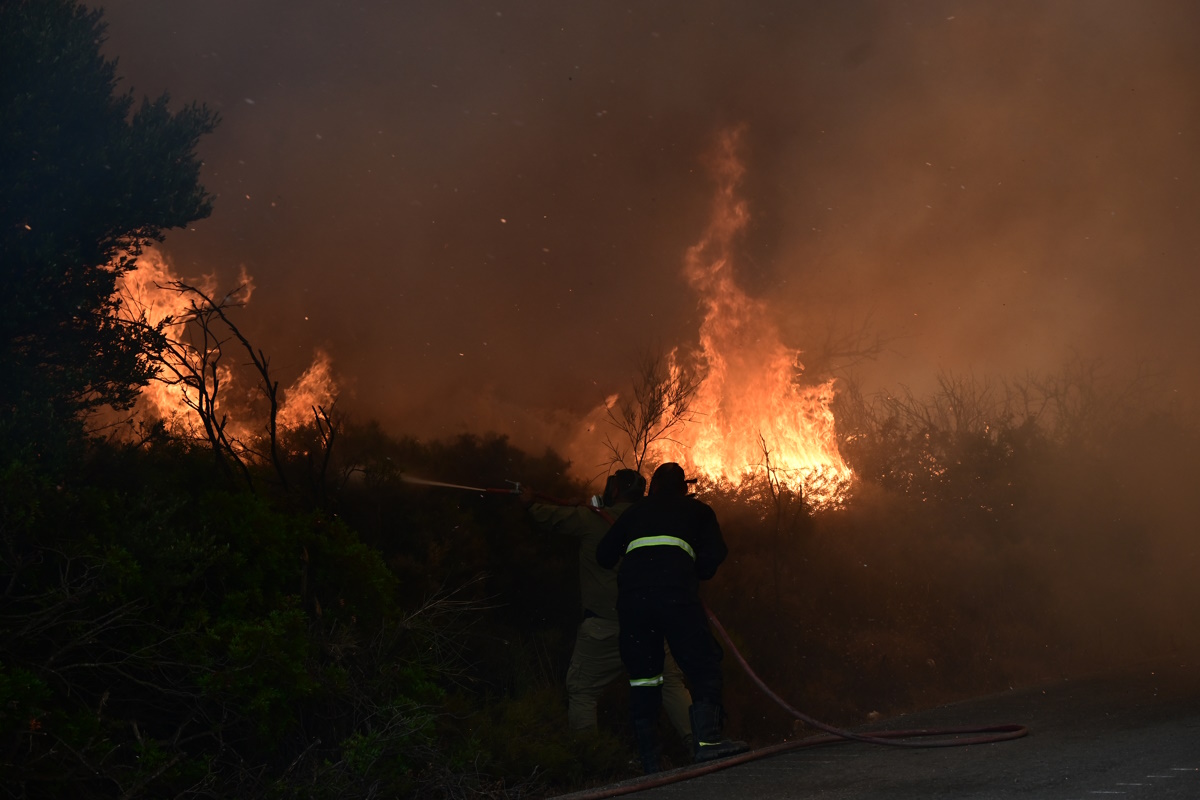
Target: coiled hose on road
(951,737)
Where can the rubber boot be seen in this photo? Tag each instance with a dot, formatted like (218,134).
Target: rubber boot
(645,733)
(708,720)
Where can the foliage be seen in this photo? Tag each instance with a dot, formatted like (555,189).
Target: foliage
(158,616)
(166,634)
(87,181)
(436,537)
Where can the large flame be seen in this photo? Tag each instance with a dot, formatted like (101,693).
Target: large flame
(753,415)
(151,292)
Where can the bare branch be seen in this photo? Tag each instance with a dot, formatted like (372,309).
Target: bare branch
(660,402)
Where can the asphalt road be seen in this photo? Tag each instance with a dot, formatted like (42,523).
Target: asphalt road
(1128,736)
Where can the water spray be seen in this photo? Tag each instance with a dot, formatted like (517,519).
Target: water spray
(516,487)
(595,504)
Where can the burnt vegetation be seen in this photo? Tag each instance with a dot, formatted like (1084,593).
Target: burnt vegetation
(283,616)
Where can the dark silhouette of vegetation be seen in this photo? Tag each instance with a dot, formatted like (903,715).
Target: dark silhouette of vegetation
(164,634)
(87,181)
(659,403)
(165,631)
(193,358)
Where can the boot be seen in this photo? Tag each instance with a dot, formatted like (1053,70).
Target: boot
(645,733)
(708,720)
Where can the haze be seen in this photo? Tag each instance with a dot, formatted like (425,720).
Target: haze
(480,210)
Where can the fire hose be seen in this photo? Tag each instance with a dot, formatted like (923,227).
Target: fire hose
(949,737)
(893,738)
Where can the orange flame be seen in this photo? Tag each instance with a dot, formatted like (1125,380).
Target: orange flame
(146,291)
(315,389)
(150,291)
(753,415)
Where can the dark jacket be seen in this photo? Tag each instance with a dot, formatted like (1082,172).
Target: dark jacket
(663,572)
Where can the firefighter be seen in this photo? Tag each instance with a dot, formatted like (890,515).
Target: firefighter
(666,545)
(596,659)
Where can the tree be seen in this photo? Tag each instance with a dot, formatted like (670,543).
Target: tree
(660,402)
(86,182)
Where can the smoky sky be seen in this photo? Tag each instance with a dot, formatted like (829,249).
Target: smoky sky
(480,209)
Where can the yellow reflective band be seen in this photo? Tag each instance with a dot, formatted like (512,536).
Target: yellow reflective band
(652,541)
(657,680)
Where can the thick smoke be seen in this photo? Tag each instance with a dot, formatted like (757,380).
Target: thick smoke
(496,199)
(481,211)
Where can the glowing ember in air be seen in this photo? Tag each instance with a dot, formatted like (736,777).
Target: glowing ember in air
(752,413)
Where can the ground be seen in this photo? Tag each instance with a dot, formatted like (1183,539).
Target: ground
(1130,734)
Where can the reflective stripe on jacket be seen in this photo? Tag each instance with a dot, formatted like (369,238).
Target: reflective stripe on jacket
(655,541)
(666,546)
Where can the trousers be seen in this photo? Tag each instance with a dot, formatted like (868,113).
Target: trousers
(596,662)
(644,627)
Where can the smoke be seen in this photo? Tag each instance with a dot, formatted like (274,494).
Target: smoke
(1001,566)
(481,212)
(205,365)
(1013,191)
(448,197)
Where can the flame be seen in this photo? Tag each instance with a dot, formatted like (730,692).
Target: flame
(753,417)
(315,389)
(150,294)
(146,292)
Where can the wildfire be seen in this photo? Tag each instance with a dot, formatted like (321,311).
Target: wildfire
(753,417)
(314,389)
(145,291)
(192,372)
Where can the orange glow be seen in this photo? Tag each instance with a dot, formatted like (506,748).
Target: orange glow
(147,290)
(315,389)
(152,289)
(752,414)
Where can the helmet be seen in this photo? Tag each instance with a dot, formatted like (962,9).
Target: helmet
(624,484)
(668,480)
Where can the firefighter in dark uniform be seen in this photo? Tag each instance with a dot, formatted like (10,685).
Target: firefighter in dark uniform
(596,659)
(667,544)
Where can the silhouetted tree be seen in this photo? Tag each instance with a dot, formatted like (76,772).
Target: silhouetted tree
(85,182)
(659,403)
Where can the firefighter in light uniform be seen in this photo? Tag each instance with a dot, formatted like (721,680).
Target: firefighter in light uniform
(596,659)
(666,545)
